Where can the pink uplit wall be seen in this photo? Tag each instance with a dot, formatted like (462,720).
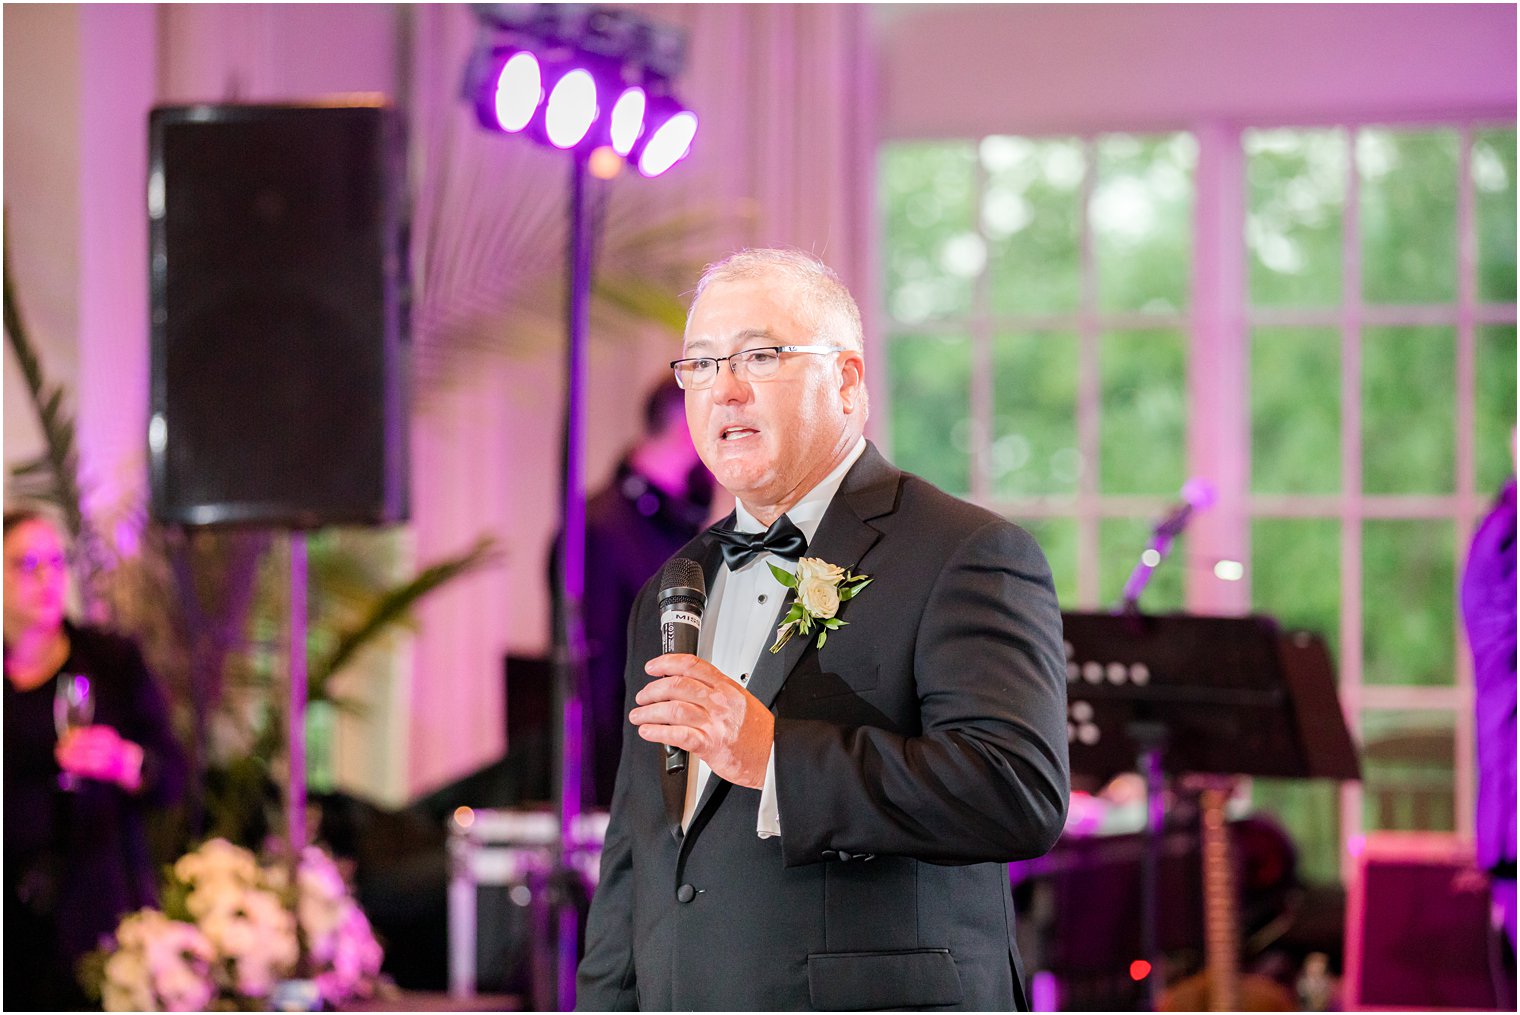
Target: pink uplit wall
(963,69)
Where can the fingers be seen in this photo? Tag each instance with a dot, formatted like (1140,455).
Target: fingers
(674,664)
(692,705)
(687,738)
(681,688)
(99,752)
(670,711)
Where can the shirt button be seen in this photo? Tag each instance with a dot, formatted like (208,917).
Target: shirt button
(685,893)
(762,598)
(744,678)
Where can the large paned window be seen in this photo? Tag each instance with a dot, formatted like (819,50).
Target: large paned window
(1063,314)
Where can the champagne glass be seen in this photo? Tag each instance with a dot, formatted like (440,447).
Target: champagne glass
(73,708)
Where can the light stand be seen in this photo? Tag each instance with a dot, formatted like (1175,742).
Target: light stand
(570,634)
(296,732)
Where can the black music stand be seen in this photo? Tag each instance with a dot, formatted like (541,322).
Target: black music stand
(1185,694)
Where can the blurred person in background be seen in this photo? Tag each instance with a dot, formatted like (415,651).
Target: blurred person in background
(1488,612)
(76,849)
(657,499)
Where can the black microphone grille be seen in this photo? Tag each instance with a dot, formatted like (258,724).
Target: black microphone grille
(680,579)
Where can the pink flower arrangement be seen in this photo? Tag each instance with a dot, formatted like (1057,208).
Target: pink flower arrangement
(231,929)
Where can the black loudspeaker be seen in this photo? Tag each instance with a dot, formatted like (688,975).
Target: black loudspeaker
(278,269)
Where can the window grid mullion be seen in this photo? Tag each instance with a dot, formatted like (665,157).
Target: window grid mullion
(1351,490)
(1465,744)
(981,394)
(1089,391)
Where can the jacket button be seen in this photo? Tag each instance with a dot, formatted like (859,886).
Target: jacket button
(685,893)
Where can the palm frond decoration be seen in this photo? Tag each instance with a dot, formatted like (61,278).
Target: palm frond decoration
(391,607)
(53,476)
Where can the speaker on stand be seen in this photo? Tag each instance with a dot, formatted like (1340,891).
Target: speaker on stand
(278,284)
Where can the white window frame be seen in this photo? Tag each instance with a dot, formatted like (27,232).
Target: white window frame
(1219,322)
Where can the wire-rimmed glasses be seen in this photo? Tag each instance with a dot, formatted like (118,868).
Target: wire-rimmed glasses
(698,372)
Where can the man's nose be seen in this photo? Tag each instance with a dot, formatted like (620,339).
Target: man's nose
(727,387)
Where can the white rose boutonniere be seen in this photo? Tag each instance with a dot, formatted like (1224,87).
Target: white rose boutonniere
(820,588)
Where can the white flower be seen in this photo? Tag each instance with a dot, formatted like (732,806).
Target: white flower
(127,986)
(218,861)
(159,964)
(355,959)
(244,938)
(820,588)
(320,901)
(819,596)
(814,567)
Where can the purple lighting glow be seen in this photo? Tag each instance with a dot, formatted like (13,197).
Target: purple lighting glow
(518,89)
(572,109)
(600,90)
(669,144)
(627,120)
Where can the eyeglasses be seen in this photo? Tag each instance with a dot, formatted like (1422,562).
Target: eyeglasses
(30,564)
(750,365)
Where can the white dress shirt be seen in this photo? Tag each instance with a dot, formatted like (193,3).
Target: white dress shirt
(738,624)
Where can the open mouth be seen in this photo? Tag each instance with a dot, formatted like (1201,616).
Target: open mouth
(736,433)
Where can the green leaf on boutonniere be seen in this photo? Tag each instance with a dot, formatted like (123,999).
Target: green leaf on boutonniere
(783,576)
(851,591)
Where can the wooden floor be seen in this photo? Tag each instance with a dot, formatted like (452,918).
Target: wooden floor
(427,1000)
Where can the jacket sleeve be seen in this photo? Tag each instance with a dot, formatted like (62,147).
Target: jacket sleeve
(986,776)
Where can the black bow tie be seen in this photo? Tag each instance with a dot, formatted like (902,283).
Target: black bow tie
(783,539)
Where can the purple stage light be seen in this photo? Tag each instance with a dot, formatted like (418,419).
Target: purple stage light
(518,89)
(627,120)
(572,108)
(668,143)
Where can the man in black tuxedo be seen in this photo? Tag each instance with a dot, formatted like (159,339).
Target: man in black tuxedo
(839,839)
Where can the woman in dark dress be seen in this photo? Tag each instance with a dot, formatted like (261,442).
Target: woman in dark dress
(76,852)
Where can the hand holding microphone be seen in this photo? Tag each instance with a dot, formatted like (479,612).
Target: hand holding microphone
(690,706)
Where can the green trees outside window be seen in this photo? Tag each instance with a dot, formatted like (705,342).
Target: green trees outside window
(1041,345)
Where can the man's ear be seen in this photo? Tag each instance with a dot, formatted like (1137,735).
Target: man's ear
(852,384)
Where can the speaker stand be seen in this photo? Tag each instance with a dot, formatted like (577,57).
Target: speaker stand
(295,805)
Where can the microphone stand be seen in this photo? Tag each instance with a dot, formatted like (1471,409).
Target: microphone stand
(1151,738)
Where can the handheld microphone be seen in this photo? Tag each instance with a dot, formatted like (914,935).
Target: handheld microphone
(683,595)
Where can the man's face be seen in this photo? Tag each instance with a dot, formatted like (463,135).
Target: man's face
(769,442)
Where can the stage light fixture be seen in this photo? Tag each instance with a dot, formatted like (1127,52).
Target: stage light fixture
(581,78)
(668,133)
(627,120)
(571,109)
(515,96)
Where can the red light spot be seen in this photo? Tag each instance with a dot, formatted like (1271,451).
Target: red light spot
(1139,969)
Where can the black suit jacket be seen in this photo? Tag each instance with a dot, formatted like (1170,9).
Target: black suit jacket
(920,750)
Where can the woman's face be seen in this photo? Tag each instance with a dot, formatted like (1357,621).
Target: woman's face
(36,577)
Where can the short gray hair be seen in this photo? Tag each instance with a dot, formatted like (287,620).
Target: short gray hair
(824,302)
